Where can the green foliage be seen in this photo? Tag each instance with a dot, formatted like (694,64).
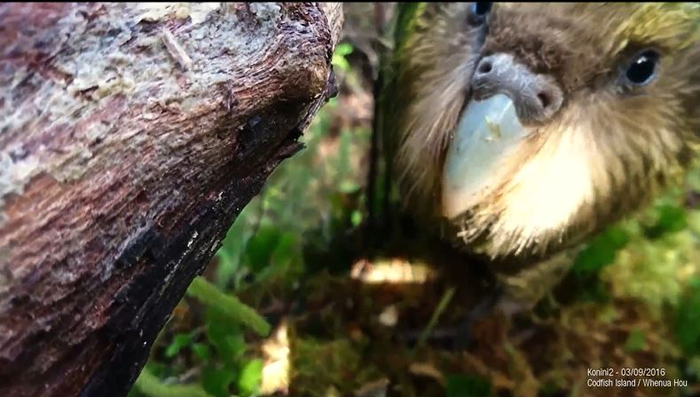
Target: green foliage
(261,247)
(661,254)
(342,50)
(226,338)
(687,323)
(327,363)
(635,341)
(671,219)
(179,342)
(600,251)
(467,386)
(150,386)
(233,246)
(222,351)
(229,305)
(202,351)
(216,381)
(250,378)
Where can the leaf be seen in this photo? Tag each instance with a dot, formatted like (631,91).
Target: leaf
(344,49)
(348,187)
(233,246)
(671,219)
(594,290)
(341,51)
(159,370)
(693,367)
(227,266)
(600,251)
(201,350)
(258,251)
(356,218)
(285,249)
(179,342)
(236,310)
(150,385)
(687,324)
(550,388)
(216,381)
(251,377)
(226,338)
(635,341)
(467,386)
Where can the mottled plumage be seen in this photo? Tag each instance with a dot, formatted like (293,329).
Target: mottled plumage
(607,150)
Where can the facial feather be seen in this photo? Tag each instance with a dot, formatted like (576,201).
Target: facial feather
(428,113)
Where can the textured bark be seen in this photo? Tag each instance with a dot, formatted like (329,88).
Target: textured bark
(131,136)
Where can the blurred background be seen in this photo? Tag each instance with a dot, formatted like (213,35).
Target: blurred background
(292,305)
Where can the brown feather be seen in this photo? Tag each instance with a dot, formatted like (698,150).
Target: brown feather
(621,146)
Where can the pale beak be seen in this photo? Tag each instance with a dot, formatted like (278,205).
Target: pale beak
(487,135)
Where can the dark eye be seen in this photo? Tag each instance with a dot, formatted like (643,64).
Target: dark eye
(642,69)
(478,12)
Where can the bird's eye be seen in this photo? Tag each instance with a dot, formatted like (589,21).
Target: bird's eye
(642,69)
(478,12)
(481,8)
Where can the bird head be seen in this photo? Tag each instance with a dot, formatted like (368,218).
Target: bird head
(529,127)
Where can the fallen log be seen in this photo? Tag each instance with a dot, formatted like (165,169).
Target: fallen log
(131,135)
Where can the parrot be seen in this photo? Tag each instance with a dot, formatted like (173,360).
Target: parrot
(517,131)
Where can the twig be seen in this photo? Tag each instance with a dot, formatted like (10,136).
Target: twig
(374,149)
(446,298)
(175,50)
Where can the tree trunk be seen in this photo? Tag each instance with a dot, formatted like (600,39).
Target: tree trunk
(131,135)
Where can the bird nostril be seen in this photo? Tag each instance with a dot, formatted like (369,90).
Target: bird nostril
(544,99)
(484,67)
